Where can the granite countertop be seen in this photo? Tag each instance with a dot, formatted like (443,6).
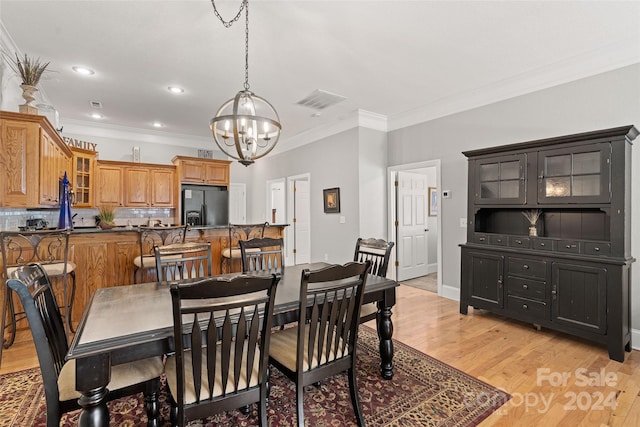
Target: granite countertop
(119,229)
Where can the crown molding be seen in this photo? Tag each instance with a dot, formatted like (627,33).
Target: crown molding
(84,128)
(585,64)
(355,119)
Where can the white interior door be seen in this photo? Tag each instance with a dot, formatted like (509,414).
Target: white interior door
(298,236)
(276,206)
(412,230)
(237,203)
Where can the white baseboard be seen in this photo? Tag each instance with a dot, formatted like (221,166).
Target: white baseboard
(432,268)
(450,292)
(635,339)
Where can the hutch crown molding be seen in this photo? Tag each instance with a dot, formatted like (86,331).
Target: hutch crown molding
(570,271)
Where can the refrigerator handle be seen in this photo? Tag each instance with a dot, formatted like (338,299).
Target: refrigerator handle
(203,214)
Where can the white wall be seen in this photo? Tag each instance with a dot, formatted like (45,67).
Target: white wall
(603,101)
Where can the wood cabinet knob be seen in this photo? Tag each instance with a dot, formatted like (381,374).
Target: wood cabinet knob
(525,306)
(525,286)
(525,266)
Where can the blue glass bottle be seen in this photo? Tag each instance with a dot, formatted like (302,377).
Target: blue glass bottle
(65,207)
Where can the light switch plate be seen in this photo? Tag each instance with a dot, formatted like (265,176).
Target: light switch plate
(343,219)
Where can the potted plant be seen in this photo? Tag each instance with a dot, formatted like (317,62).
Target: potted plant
(30,71)
(106,217)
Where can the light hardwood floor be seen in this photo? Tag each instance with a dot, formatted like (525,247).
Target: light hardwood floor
(555,379)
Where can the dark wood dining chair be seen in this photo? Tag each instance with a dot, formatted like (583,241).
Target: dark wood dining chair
(327,332)
(32,285)
(221,330)
(262,255)
(148,237)
(237,232)
(50,248)
(378,251)
(179,261)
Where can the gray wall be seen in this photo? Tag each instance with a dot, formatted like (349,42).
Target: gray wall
(372,155)
(331,162)
(603,101)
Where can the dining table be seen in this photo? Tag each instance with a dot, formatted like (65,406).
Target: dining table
(121,324)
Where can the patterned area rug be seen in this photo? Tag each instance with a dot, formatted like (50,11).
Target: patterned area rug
(423,392)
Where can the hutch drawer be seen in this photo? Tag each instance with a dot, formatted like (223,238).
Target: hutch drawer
(525,267)
(527,288)
(527,309)
(542,244)
(519,242)
(481,238)
(597,248)
(569,246)
(498,239)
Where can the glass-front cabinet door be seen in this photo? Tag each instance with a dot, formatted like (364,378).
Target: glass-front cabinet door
(501,180)
(575,175)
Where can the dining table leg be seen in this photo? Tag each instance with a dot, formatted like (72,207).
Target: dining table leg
(385,332)
(92,378)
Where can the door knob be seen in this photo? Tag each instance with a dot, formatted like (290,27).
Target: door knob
(426,229)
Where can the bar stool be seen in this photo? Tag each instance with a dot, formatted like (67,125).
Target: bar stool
(148,237)
(50,249)
(239,232)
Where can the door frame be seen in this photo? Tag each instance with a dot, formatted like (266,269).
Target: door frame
(393,205)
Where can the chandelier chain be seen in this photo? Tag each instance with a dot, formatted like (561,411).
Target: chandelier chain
(228,24)
(246,45)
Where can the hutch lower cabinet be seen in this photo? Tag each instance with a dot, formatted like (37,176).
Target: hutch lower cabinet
(568,267)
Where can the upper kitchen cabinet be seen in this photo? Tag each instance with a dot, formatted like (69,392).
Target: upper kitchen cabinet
(202,171)
(149,186)
(109,183)
(34,158)
(135,185)
(83,176)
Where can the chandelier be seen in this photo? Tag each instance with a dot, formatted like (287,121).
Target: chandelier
(247,126)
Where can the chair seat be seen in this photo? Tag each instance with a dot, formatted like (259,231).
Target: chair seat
(283,349)
(190,395)
(52,269)
(235,252)
(368,310)
(121,376)
(149,261)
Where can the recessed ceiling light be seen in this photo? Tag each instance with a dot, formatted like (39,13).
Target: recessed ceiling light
(97,115)
(175,89)
(83,70)
(157,125)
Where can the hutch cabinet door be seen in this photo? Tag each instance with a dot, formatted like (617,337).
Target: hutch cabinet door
(501,180)
(579,297)
(575,174)
(484,279)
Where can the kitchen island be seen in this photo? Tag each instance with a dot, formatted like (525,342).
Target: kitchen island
(104,258)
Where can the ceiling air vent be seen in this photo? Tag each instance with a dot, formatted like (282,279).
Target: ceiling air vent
(95,104)
(320,99)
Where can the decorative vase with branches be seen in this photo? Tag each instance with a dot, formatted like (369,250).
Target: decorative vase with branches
(533,215)
(30,71)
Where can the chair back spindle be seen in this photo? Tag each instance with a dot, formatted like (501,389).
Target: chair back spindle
(262,255)
(180,261)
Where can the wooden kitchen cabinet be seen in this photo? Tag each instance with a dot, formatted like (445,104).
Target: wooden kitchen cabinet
(55,161)
(149,186)
(82,177)
(202,171)
(34,158)
(109,184)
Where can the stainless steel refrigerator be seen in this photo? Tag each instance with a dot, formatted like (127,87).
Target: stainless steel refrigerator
(205,205)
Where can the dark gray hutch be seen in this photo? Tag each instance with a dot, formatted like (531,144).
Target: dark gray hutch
(571,270)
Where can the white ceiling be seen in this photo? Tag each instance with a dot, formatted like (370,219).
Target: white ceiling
(404,61)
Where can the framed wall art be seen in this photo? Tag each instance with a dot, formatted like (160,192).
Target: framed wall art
(433,201)
(331,198)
